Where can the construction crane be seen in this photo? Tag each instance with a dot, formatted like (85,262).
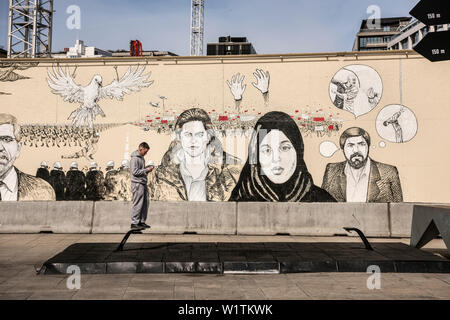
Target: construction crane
(197,27)
(30,28)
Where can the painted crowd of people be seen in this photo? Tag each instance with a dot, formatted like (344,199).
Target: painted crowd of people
(34,135)
(89,183)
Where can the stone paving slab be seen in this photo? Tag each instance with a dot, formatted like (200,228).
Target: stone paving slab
(258,257)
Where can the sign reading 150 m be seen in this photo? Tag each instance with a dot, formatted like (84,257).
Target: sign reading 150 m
(435,46)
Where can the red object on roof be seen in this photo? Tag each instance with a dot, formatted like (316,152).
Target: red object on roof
(163,121)
(135,48)
(331,128)
(223,118)
(149,120)
(319,119)
(157,118)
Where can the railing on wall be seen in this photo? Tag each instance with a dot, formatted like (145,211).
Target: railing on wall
(224,58)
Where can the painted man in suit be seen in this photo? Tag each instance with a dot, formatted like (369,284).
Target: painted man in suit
(359,178)
(14,184)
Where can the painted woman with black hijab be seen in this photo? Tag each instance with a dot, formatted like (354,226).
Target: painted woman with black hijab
(275,170)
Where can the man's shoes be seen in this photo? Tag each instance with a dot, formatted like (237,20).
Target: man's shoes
(144,225)
(136,227)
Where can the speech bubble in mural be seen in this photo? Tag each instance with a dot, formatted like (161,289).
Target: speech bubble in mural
(396,123)
(356,89)
(328,149)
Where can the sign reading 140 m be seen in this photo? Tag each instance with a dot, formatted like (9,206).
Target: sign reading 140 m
(435,46)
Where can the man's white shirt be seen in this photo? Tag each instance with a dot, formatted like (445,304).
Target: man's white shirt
(9,186)
(195,188)
(357,182)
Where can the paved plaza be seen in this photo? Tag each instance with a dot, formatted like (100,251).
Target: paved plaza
(21,254)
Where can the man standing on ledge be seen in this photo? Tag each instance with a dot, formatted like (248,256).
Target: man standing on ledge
(140,201)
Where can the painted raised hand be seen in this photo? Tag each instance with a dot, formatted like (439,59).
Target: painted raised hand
(236,86)
(263,81)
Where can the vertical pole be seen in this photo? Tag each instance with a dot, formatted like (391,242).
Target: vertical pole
(191,27)
(10,30)
(34,44)
(50,29)
(26,17)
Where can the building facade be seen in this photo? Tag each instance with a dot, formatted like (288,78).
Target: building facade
(230,46)
(412,34)
(147,53)
(376,37)
(80,50)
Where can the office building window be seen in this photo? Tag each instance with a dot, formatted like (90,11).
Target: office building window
(363,42)
(415,38)
(405,44)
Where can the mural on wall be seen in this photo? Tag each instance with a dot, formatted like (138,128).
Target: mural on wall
(360,178)
(327,149)
(117,182)
(195,166)
(62,83)
(396,123)
(8,72)
(262,83)
(237,86)
(60,136)
(316,123)
(356,89)
(14,184)
(275,170)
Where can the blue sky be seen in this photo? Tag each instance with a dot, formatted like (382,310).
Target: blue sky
(274,26)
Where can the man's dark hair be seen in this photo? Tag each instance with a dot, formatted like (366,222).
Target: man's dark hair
(195,114)
(144,145)
(354,132)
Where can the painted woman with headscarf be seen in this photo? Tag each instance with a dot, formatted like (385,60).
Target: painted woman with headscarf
(275,170)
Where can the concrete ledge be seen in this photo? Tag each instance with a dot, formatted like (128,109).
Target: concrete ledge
(401,215)
(312,219)
(46,216)
(252,218)
(169,217)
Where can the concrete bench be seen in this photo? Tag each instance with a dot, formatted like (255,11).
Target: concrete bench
(169,217)
(307,219)
(428,222)
(46,216)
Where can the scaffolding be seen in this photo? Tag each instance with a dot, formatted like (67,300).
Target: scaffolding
(30,28)
(197,27)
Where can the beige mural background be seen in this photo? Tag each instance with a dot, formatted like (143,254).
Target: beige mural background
(298,82)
